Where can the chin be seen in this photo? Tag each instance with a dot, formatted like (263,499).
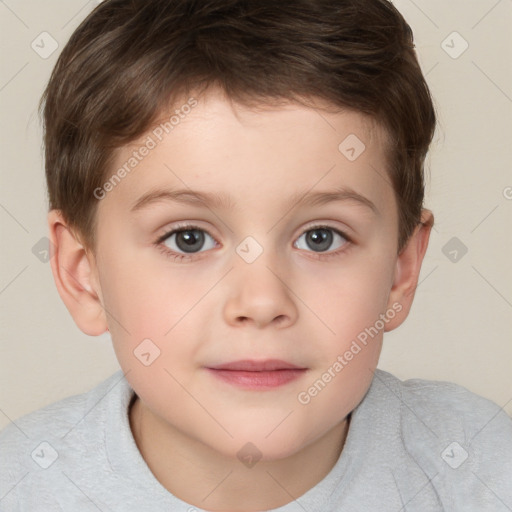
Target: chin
(262,446)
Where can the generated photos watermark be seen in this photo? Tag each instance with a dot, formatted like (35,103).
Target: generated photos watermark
(304,397)
(157,135)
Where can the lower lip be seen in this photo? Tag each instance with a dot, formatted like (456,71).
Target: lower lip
(258,380)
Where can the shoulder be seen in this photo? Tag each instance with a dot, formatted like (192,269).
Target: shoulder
(460,440)
(451,409)
(37,442)
(17,439)
(58,417)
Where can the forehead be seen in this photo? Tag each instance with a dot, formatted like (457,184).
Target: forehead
(247,153)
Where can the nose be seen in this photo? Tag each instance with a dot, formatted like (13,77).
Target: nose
(259,296)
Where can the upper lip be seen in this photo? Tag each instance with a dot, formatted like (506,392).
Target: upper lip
(249,365)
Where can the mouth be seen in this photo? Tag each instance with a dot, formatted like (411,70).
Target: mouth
(257,375)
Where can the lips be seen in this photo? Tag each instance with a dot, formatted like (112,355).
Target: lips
(249,365)
(257,375)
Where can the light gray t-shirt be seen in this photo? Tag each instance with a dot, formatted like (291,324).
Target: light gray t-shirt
(414,445)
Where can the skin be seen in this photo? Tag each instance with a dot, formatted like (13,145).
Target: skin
(289,304)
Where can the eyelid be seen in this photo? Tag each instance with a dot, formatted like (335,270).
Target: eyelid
(308,227)
(326,225)
(320,256)
(183,227)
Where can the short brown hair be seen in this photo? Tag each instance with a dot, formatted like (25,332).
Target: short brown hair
(129,59)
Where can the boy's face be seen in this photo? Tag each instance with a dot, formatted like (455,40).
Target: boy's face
(258,282)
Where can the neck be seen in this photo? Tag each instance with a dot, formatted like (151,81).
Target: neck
(200,476)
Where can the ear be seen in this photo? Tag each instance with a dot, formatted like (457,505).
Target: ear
(75,274)
(407,270)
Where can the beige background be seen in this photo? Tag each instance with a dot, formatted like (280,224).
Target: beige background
(460,325)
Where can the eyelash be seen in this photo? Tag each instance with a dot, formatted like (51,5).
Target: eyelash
(180,257)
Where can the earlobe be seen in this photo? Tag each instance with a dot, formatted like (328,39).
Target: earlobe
(73,271)
(407,269)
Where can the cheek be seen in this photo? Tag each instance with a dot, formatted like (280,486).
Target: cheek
(138,289)
(146,299)
(334,399)
(348,297)
(132,300)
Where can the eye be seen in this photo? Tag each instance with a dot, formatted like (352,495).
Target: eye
(185,240)
(320,239)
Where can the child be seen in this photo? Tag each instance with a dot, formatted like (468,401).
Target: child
(257,131)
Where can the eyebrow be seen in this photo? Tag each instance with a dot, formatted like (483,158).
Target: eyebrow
(220,200)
